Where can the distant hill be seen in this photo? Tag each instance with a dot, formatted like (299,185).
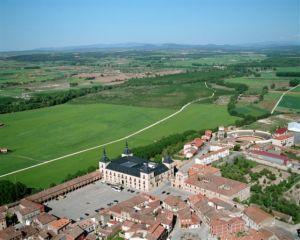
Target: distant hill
(261,47)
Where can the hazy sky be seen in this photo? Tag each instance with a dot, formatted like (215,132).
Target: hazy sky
(28,24)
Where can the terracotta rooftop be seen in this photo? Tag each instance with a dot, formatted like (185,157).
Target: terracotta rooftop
(74,233)
(268,154)
(281,130)
(198,142)
(203,169)
(85,223)
(166,217)
(256,214)
(156,231)
(25,207)
(10,233)
(282,137)
(261,234)
(174,201)
(28,231)
(196,198)
(45,218)
(58,224)
(128,205)
(221,185)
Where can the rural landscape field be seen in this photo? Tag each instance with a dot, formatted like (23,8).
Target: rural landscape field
(149,120)
(46,118)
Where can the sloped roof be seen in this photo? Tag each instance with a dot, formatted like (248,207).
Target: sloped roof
(132,165)
(281,130)
(256,214)
(168,160)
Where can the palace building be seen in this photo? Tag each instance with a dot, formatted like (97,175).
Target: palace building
(134,172)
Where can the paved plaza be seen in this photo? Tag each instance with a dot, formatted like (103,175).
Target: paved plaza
(83,202)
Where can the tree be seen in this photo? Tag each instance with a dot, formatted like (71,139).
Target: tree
(237,147)
(11,192)
(294,82)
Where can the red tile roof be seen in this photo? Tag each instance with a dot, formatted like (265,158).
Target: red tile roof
(281,130)
(221,185)
(202,169)
(45,218)
(257,215)
(58,224)
(268,154)
(198,142)
(282,137)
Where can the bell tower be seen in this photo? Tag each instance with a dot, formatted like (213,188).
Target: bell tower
(127,152)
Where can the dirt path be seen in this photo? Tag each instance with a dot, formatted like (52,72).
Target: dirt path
(114,141)
(276,105)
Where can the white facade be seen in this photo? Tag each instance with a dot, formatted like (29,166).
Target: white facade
(212,156)
(284,141)
(294,126)
(145,182)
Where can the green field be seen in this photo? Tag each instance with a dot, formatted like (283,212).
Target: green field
(162,96)
(256,84)
(269,101)
(40,135)
(92,118)
(288,69)
(251,109)
(219,59)
(291,100)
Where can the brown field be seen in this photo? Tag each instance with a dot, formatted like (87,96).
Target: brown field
(248,98)
(118,77)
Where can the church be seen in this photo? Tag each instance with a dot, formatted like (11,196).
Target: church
(134,172)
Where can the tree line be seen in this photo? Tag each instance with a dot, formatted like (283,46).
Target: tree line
(8,104)
(288,74)
(12,192)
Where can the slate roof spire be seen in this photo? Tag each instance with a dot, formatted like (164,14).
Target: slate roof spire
(127,151)
(168,159)
(104,157)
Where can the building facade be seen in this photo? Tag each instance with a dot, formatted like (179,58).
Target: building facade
(134,172)
(212,156)
(283,140)
(210,184)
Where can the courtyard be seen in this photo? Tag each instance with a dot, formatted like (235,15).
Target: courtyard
(84,202)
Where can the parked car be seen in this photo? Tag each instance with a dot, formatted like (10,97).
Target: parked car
(116,188)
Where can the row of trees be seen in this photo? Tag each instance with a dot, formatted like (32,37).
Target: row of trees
(166,146)
(288,74)
(46,99)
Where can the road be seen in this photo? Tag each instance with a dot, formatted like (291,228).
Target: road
(114,141)
(276,105)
